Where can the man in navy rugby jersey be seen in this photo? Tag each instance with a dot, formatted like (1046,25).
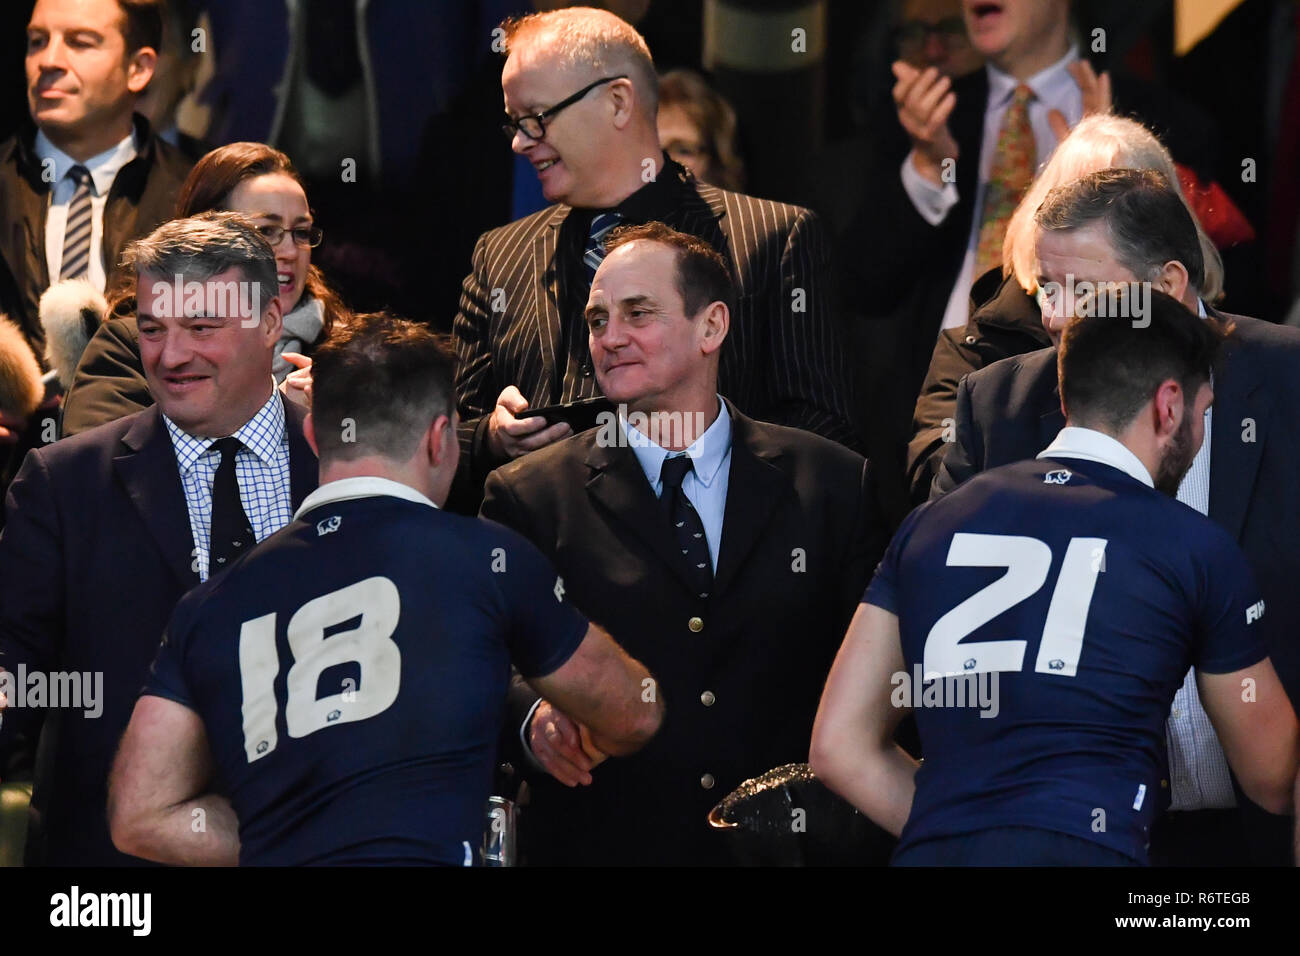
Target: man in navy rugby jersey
(337,697)
(1040,618)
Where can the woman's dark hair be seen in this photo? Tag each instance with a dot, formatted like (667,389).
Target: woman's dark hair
(215,177)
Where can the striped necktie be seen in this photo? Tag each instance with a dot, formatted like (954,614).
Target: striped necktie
(76,234)
(593,253)
(1013,169)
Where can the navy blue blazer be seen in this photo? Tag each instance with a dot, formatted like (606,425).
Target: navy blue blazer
(96,553)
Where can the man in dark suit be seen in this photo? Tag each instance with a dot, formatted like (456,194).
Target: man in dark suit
(945,178)
(583,111)
(725,552)
(109,528)
(1126,226)
(84,175)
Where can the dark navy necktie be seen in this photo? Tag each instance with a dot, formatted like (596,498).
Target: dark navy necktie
(232,532)
(688,529)
(593,253)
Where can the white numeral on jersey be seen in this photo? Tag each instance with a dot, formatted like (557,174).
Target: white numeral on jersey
(375,601)
(1027,561)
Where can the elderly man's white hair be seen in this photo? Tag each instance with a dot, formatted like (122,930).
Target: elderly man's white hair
(1100,141)
(593,40)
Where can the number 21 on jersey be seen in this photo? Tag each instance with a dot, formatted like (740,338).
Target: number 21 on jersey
(376,606)
(1027,561)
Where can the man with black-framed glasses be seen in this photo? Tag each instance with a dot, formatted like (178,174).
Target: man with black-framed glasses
(581,98)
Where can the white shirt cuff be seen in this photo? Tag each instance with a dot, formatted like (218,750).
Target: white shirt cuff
(523,735)
(931,201)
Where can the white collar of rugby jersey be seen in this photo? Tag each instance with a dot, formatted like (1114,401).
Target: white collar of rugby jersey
(1089,445)
(367,486)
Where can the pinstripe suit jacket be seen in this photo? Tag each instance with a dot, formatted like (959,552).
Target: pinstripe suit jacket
(520,320)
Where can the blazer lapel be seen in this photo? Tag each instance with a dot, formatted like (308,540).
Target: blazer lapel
(619,486)
(303,467)
(1234,462)
(149,473)
(548,285)
(754,488)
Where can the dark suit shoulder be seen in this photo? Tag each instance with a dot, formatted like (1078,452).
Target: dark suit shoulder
(779,213)
(1017,375)
(796,443)
(80,458)
(523,230)
(542,468)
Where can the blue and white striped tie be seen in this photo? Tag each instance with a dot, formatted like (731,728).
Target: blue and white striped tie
(76,234)
(593,254)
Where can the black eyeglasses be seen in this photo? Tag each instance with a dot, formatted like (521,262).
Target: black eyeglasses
(309,236)
(534,126)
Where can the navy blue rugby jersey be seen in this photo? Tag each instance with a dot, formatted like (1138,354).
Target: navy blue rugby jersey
(351,672)
(1066,600)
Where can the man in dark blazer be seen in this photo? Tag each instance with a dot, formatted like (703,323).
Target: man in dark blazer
(138,183)
(1012,410)
(584,114)
(908,258)
(87,64)
(738,618)
(109,528)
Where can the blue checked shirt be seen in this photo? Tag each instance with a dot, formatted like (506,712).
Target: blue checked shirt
(261,468)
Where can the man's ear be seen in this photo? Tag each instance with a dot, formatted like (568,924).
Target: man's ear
(309,433)
(273,321)
(625,102)
(1170,405)
(140,67)
(434,443)
(715,322)
(1173,279)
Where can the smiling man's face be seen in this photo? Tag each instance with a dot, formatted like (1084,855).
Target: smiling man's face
(574,159)
(647,352)
(208,372)
(78,73)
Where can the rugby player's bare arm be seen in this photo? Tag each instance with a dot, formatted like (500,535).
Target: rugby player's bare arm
(608,692)
(158,805)
(1256,724)
(853,749)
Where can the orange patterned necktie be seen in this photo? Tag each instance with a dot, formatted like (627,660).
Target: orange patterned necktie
(1013,169)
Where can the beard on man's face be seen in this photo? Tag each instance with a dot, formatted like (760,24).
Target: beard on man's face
(1177,458)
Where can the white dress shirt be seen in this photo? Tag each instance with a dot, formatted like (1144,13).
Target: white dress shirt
(103,170)
(261,470)
(1054,89)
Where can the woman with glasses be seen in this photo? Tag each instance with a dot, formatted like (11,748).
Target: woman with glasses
(258,182)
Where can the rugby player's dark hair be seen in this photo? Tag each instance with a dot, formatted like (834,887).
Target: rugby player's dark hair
(1110,367)
(388,378)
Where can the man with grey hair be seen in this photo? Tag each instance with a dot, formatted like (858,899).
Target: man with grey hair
(107,529)
(581,102)
(1129,226)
